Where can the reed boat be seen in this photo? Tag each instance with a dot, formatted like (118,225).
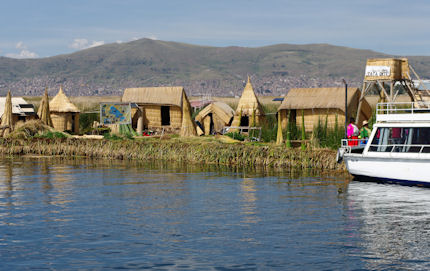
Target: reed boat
(398,149)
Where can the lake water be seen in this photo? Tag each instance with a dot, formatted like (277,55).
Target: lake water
(113,215)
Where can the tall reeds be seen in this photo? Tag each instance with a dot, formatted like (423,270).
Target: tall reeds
(325,137)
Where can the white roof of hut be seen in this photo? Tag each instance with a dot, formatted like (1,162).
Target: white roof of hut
(154,95)
(19,106)
(61,103)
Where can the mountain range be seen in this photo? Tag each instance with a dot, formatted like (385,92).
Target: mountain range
(218,71)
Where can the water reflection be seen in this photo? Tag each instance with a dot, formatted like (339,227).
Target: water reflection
(6,184)
(249,199)
(394,224)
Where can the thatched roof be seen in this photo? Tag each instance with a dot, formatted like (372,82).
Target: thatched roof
(154,95)
(248,102)
(311,98)
(60,103)
(19,106)
(222,110)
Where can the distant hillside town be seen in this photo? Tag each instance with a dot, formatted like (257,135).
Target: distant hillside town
(266,85)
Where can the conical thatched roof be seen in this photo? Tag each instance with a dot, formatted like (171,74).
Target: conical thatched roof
(6,119)
(248,102)
(60,103)
(43,112)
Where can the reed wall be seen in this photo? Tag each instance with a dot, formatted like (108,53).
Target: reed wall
(67,121)
(312,116)
(152,117)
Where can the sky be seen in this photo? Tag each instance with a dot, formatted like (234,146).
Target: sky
(43,28)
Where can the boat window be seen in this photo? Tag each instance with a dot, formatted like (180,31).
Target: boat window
(401,139)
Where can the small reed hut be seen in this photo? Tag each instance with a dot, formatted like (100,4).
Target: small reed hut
(248,107)
(64,114)
(161,108)
(321,103)
(21,110)
(214,117)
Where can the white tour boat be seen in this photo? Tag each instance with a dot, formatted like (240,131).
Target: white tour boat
(398,149)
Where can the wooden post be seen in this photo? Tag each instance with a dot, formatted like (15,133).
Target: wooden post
(365,88)
(139,129)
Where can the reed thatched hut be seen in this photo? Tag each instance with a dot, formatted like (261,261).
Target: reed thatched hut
(160,108)
(248,107)
(321,103)
(64,114)
(21,110)
(214,117)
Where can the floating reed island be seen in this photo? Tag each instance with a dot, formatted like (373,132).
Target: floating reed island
(204,150)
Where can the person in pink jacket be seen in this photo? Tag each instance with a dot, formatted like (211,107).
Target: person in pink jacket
(352,132)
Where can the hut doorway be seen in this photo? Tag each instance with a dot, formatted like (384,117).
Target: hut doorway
(165,115)
(244,121)
(293,116)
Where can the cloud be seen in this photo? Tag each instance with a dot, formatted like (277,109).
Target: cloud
(20,45)
(96,43)
(152,37)
(80,44)
(24,53)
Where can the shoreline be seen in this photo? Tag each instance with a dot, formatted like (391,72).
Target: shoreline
(202,151)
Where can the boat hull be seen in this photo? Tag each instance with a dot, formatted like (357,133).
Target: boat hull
(407,171)
(390,181)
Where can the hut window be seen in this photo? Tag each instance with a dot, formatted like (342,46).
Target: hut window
(165,115)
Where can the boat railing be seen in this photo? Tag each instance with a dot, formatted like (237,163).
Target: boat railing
(409,148)
(353,142)
(402,108)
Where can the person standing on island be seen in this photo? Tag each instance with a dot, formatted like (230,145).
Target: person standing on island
(365,131)
(352,132)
